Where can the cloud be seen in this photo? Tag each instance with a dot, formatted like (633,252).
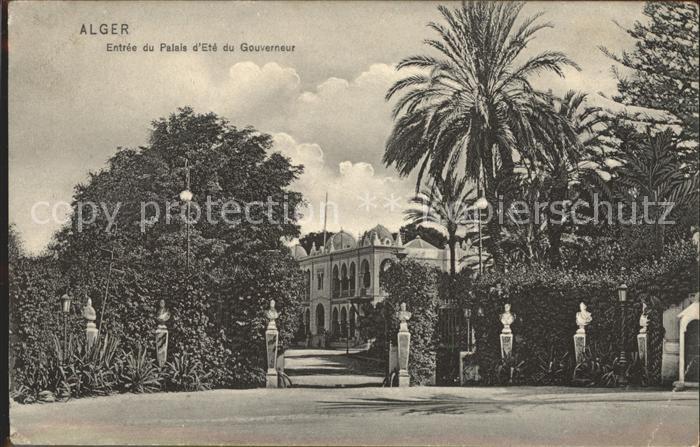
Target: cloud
(358,197)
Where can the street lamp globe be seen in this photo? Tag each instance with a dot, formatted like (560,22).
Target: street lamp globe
(186,195)
(622,293)
(481,203)
(65,302)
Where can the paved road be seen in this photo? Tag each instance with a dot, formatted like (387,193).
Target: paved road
(368,416)
(325,368)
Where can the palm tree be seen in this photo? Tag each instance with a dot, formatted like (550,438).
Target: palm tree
(472,102)
(654,171)
(445,204)
(570,150)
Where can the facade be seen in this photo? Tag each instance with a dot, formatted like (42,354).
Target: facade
(348,272)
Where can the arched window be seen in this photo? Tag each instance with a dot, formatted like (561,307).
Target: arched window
(344,322)
(344,280)
(364,273)
(336,282)
(336,323)
(320,319)
(352,279)
(307,290)
(353,321)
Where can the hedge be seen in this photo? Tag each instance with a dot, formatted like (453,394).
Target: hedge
(415,284)
(546,300)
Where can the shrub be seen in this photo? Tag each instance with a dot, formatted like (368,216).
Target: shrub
(185,374)
(94,371)
(139,373)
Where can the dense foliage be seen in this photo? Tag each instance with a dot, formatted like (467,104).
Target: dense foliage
(546,300)
(126,265)
(661,72)
(415,284)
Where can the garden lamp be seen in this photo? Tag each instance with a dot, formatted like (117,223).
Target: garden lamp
(622,293)
(186,195)
(65,307)
(65,303)
(481,203)
(622,298)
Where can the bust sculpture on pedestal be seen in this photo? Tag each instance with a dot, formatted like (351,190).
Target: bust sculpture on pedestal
(404,345)
(89,312)
(91,330)
(583,318)
(162,317)
(271,314)
(163,314)
(403,316)
(507,318)
(643,319)
(271,336)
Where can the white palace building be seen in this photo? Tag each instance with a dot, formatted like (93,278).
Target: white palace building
(348,272)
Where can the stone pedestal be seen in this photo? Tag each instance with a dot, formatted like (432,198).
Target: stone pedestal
(393,358)
(642,350)
(506,345)
(404,347)
(404,342)
(271,336)
(162,344)
(271,343)
(91,333)
(579,346)
(507,318)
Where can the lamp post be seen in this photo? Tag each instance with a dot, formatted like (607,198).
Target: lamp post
(186,196)
(622,299)
(480,204)
(65,307)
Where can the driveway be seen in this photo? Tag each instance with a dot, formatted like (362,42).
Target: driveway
(368,416)
(327,368)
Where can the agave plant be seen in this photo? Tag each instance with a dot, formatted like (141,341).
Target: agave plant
(91,370)
(184,373)
(551,369)
(139,373)
(597,368)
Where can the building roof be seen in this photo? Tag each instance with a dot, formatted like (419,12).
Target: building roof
(383,234)
(419,243)
(342,240)
(298,252)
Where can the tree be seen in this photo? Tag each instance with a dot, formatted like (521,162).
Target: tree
(315,237)
(231,173)
(569,154)
(444,204)
(652,173)
(430,235)
(663,67)
(15,245)
(473,102)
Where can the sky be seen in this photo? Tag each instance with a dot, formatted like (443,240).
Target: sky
(72,103)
